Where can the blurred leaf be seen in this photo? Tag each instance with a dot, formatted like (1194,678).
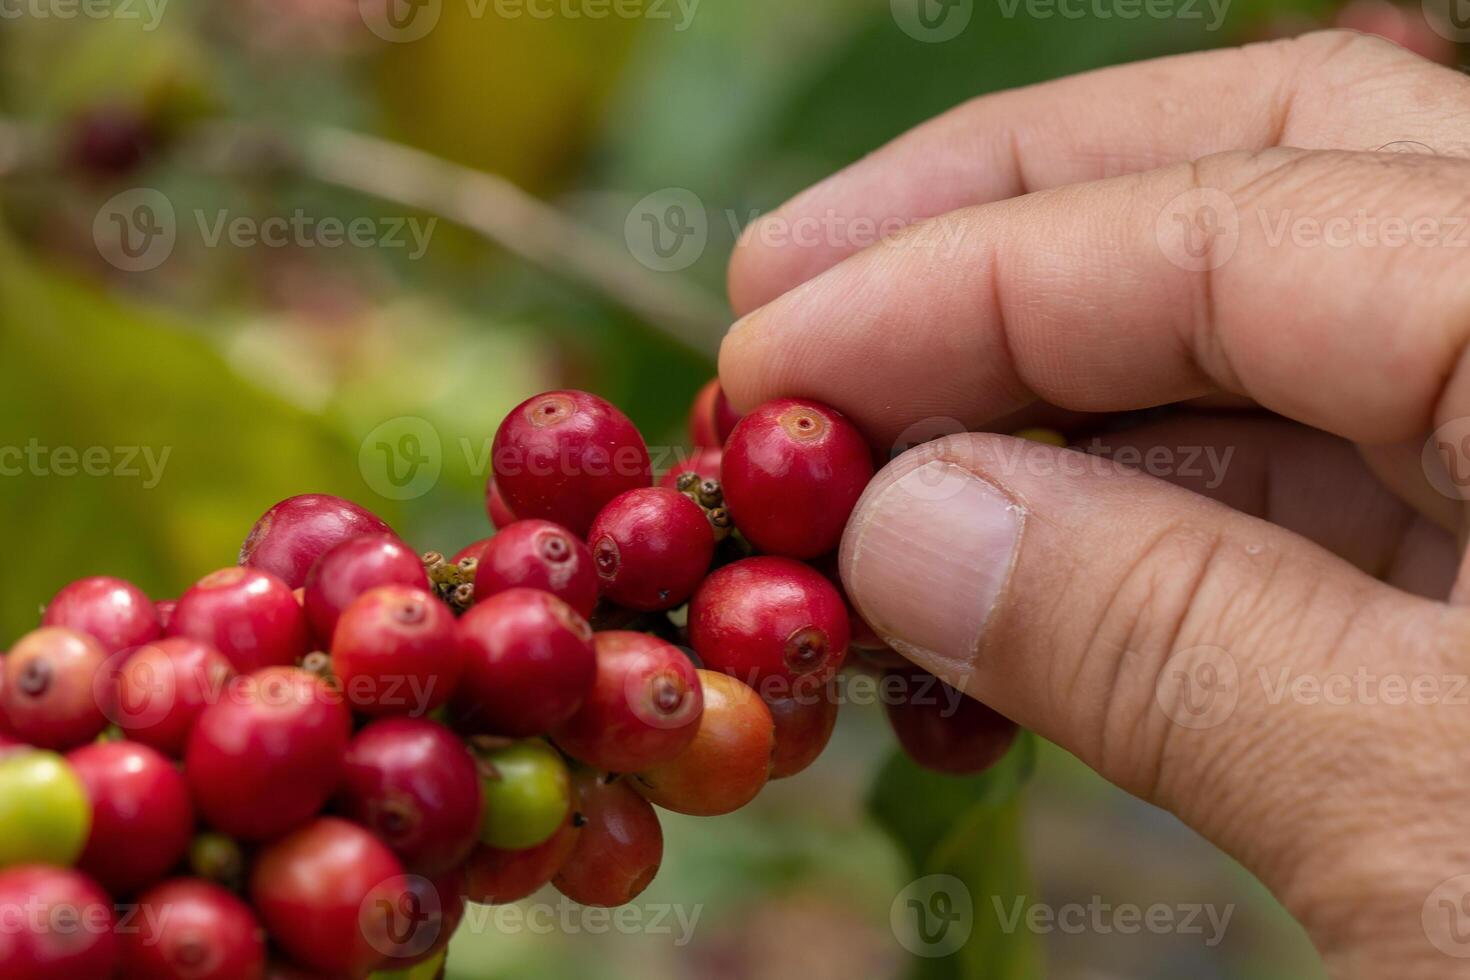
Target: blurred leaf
(969,828)
(428,970)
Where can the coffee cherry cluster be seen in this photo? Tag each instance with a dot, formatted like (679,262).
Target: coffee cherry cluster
(312,759)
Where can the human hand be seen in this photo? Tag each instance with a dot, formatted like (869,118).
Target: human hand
(1258,640)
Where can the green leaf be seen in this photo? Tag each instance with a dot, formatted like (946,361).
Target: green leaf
(428,970)
(962,838)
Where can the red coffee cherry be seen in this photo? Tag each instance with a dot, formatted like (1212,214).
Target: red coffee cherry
(804,724)
(539,555)
(619,849)
(115,613)
(772,622)
(562,455)
(266,758)
(475,550)
(495,876)
(711,419)
(187,929)
(423,922)
(792,472)
(318,892)
(942,729)
(729,761)
(292,535)
(496,508)
(415,786)
(352,568)
(142,819)
(64,929)
(394,652)
(643,709)
(162,688)
(529,664)
(53,695)
(704,462)
(249,615)
(651,548)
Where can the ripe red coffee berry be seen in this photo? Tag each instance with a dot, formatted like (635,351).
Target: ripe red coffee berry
(497,876)
(711,419)
(54,693)
(539,555)
(529,664)
(269,755)
(163,686)
(142,818)
(318,891)
(729,761)
(415,786)
(942,729)
(792,472)
(249,615)
(428,913)
(352,568)
(643,709)
(774,623)
(496,508)
(292,535)
(475,550)
(651,548)
(394,652)
(619,849)
(804,724)
(704,462)
(562,455)
(82,947)
(187,929)
(113,612)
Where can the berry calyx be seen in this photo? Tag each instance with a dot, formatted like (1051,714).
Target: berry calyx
(415,786)
(562,455)
(192,930)
(318,892)
(58,924)
(249,615)
(729,761)
(266,758)
(115,613)
(942,729)
(651,547)
(528,794)
(620,847)
(774,623)
(792,472)
(537,554)
(496,508)
(54,693)
(352,568)
(163,686)
(804,723)
(142,818)
(394,652)
(643,709)
(44,809)
(529,664)
(711,418)
(498,876)
(290,537)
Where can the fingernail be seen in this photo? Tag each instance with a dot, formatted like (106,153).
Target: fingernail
(926,557)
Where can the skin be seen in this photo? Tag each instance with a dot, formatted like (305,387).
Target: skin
(1041,291)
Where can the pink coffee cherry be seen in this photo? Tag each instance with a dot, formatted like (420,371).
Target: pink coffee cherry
(538,554)
(34,950)
(394,652)
(352,568)
(112,611)
(142,818)
(292,535)
(711,419)
(249,615)
(55,694)
(162,687)
(651,548)
(188,929)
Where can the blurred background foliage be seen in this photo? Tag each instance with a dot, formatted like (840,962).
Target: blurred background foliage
(250,374)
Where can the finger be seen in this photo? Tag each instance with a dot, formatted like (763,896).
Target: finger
(1089,298)
(1305,481)
(1326,90)
(1150,632)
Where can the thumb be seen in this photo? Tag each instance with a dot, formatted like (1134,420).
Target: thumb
(1200,658)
